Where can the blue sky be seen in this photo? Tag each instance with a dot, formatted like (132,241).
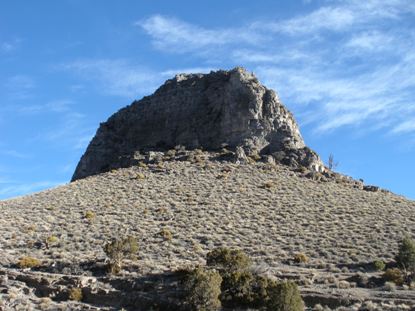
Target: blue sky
(346,69)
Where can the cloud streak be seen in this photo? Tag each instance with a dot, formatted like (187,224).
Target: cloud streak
(348,63)
(115,77)
(18,189)
(170,33)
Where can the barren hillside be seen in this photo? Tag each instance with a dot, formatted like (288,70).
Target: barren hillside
(269,211)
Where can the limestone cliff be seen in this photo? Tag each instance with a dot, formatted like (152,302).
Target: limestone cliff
(208,111)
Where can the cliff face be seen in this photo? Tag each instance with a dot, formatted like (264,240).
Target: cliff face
(204,111)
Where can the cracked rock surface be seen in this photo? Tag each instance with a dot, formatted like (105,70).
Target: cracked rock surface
(208,111)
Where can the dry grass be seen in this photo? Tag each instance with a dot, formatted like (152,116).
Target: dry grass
(332,223)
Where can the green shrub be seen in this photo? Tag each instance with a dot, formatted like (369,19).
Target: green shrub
(241,288)
(228,260)
(394,275)
(28,262)
(237,289)
(379,265)
(244,289)
(52,240)
(284,296)
(119,249)
(201,290)
(406,255)
(89,215)
(75,294)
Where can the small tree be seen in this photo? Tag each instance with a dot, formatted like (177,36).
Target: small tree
(228,260)
(202,289)
(237,288)
(119,249)
(284,296)
(332,164)
(406,257)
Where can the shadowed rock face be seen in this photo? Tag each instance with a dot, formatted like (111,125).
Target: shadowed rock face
(200,111)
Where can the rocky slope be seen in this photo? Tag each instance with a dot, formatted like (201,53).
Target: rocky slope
(270,211)
(207,161)
(209,111)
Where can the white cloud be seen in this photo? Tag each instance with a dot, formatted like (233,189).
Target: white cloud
(56,106)
(115,77)
(405,127)
(177,36)
(370,41)
(325,18)
(18,189)
(347,63)
(169,73)
(334,101)
(71,129)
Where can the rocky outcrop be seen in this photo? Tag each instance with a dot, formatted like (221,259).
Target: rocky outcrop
(208,111)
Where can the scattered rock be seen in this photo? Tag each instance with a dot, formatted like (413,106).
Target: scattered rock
(371,188)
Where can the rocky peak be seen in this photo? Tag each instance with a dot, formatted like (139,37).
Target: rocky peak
(207,111)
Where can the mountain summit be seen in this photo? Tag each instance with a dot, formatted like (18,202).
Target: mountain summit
(229,109)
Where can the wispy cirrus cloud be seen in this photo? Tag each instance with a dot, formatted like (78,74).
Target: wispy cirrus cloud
(370,41)
(407,126)
(55,106)
(169,73)
(73,130)
(326,18)
(115,77)
(17,189)
(346,63)
(170,33)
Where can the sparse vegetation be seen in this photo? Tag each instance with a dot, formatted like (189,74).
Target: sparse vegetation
(241,288)
(202,290)
(237,289)
(271,225)
(228,260)
(52,240)
(301,258)
(332,164)
(389,286)
(406,258)
(28,262)
(119,249)
(75,294)
(394,275)
(140,176)
(166,234)
(379,265)
(269,184)
(284,296)
(89,215)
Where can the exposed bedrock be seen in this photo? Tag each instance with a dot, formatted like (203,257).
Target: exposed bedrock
(208,111)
